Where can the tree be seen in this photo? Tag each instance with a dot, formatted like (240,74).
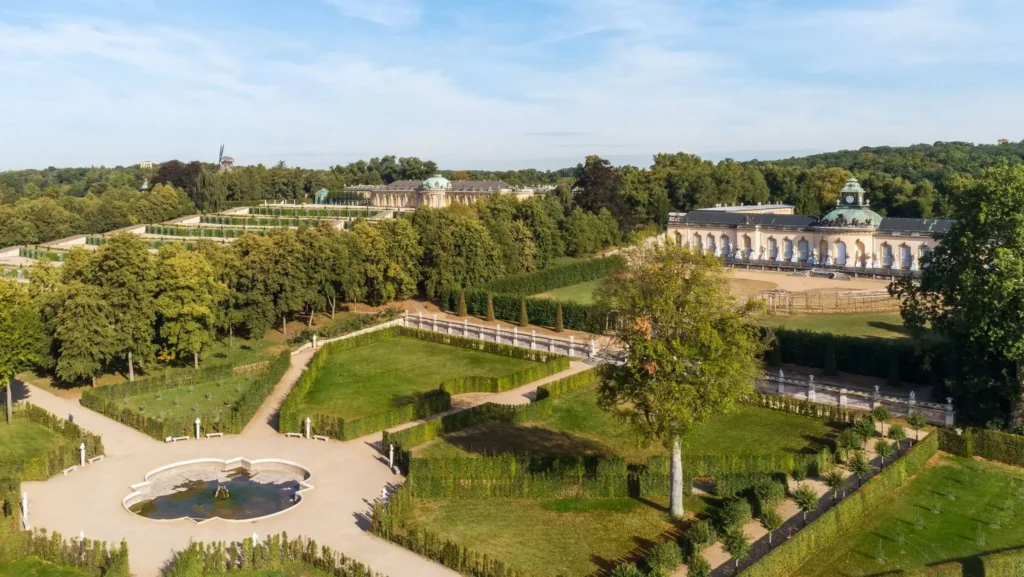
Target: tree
(599,185)
(835,480)
(490,308)
(83,333)
(971,292)
(916,420)
(691,351)
(125,270)
(883,449)
(865,427)
(771,520)
(559,320)
(461,310)
(21,330)
(524,320)
(898,434)
(698,566)
(390,252)
(848,440)
(882,415)
(187,298)
(806,499)
(860,466)
(736,544)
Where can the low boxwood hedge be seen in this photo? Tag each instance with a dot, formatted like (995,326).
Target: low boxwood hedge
(42,467)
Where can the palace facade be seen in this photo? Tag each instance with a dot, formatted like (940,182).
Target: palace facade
(851,236)
(438,192)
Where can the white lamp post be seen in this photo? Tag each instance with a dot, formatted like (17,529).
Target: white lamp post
(198,421)
(308,422)
(81,454)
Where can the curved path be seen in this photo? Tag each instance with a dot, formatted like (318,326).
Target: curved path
(347,476)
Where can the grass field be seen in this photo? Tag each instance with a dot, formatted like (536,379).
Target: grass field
(294,571)
(985,515)
(380,376)
(23,439)
(884,325)
(564,537)
(582,293)
(35,567)
(578,426)
(205,400)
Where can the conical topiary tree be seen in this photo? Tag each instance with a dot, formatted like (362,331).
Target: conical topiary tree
(524,320)
(462,304)
(490,308)
(558,319)
(775,353)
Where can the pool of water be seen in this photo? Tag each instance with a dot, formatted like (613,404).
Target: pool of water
(196,499)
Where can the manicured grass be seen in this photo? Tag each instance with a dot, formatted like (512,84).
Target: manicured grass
(293,571)
(35,567)
(582,293)
(578,426)
(985,493)
(23,439)
(192,400)
(563,537)
(386,374)
(884,325)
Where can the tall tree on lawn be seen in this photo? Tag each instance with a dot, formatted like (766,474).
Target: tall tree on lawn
(692,351)
(22,334)
(83,333)
(186,302)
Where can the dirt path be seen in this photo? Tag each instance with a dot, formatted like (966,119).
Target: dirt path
(264,422)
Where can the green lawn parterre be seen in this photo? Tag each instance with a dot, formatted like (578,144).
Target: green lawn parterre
(35,567)
(578,426)
(23,439)
(208,400)
(988,504)
(380,376)
(881,325)
(582,293)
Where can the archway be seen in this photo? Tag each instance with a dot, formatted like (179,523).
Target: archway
(773,248)
(711,244)
(861,252)
(747,246)
(787,249)
(726,248)
(697,244)
(679,239)
(804,248)
(906,256)
(887,255)
(840,253)
(823,251)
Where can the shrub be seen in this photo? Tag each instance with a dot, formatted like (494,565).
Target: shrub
(732,513)
(775,353)
(830,358)
(1004,563)
(893,377)
(771,520)
(557,276)
(698,567)
(626,570)
(490,308)
(736,544)
(524,320)
(700,536)
(59,457)
(559,322)
(850,514)
(665,557)
(769,493)
(273,552)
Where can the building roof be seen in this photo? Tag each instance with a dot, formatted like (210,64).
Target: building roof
(455,186)
(747,207)
(927,226)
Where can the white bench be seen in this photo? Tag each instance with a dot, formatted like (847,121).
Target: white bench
(320,437)
(96,458)
(212,435)
(70,469)
(299,435)
(176,439)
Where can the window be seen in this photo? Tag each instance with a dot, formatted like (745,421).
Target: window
(805,250)
(711,244)
(725,246)
(905,256)
(773,249)
(679,239)
(787,249)
(697,244)
(841,253)
(886,256)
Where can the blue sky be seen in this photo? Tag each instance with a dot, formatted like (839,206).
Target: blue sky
(499,83)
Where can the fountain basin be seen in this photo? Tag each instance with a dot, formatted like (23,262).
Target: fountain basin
(256,488)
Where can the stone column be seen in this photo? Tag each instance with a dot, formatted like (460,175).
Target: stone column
(593,348)
(781,383)
(198,421)
(419,323)
(309,421)
(843,401)
(497,333)
(551,345)
(465,327)
(515,336)
(533,339)
(950,417)
(434,326)
(24,509)
(570,345)
(391,456)
(81,454)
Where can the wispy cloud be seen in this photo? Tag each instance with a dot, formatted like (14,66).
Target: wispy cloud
(394,13)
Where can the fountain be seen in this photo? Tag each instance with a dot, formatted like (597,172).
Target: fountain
(206,489)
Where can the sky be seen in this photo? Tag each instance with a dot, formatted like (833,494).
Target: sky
(499,84)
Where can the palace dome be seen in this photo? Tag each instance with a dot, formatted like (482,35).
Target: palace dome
(436,182)
(852,210)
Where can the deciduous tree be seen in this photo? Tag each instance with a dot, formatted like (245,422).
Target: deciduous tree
(187,297)
(21,330)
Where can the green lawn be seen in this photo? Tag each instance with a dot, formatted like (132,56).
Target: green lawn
(563,537)
(989,502)
(205,400)
(386,374)
(578,426)
(582,293)
(294,571)
(884,325)
(23,439)
(35,567)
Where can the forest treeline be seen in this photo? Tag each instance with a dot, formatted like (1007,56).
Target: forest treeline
(121,301)
(914,181)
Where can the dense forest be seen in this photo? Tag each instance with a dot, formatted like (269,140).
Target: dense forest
(914,181)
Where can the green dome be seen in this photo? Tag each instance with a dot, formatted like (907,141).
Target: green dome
(436,182)
(850,217)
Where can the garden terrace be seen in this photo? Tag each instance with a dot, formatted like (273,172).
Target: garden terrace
(368,382)
(270,222)
(42,254)
(322,211)
(202,232)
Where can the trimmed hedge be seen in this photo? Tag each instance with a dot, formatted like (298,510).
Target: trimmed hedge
(542,312)
(293,411)
(991,445)
(950,569)
(850,514)
(274,552)
(42,467)
(804,408)
(1004,563)
(108,401)
(917,363)
(389,522)
(557,276)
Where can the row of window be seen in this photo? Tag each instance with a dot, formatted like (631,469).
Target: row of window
(803,249)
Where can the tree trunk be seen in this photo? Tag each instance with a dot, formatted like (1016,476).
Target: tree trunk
(284,325)
(312,313)
(676,478)
(10,401)
(195,360)
(231,334)
(131,368)
(94,381)
(334,304)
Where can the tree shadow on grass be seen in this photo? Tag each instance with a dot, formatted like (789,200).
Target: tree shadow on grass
(894,328)
(498,438)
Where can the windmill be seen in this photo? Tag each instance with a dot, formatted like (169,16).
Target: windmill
(224,163)
(221,155)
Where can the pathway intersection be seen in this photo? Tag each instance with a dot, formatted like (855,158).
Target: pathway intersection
(347,476)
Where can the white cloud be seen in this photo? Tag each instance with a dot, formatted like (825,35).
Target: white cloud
(393,13)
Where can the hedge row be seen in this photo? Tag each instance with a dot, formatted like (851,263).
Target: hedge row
(875,357)
(93,557)
(293,410)
(275,552)
(556,276)
(991,445)
(198,232)
(42,467)
(258,387)
(389,522)
(805,408)
(317,212)
(156,383)
(1002,564)
(850,514)
(260,222)
(541,312)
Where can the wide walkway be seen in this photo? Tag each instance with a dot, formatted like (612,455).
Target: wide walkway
(347,476)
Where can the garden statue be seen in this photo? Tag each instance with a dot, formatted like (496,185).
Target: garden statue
(913,263)
(814,257)
(761,255)
(913,397)
(222,493)
(828,258)
(737,255)
(874,260)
